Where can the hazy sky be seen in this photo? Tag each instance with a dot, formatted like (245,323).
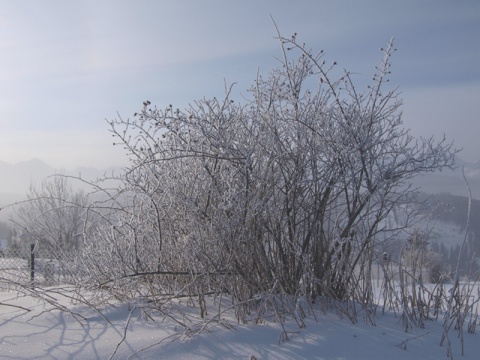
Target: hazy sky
(66,66)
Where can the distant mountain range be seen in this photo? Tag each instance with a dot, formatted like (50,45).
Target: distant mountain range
(15,179)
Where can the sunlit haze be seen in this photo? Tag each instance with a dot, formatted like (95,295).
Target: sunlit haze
(66,67)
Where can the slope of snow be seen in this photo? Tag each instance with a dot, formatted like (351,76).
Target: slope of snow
(447,234)
(43,333)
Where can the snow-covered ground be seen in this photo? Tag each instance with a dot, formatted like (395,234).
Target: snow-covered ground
(32,329)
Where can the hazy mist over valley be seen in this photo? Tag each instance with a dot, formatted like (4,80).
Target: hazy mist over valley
(15,179)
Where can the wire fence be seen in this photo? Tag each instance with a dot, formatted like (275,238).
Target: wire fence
(36,266)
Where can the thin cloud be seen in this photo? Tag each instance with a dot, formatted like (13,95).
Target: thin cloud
(66,66)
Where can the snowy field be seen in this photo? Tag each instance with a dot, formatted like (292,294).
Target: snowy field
(33,329)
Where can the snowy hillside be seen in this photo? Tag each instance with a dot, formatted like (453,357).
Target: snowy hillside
(447,234)
(31,329)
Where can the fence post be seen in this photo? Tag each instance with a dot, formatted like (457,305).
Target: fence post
(32,263)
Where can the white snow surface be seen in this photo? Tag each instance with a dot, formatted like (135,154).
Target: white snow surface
(47,333)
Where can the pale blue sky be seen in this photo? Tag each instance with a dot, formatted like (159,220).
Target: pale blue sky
(66,66)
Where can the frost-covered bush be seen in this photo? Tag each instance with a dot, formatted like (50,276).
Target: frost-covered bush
(285,194)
